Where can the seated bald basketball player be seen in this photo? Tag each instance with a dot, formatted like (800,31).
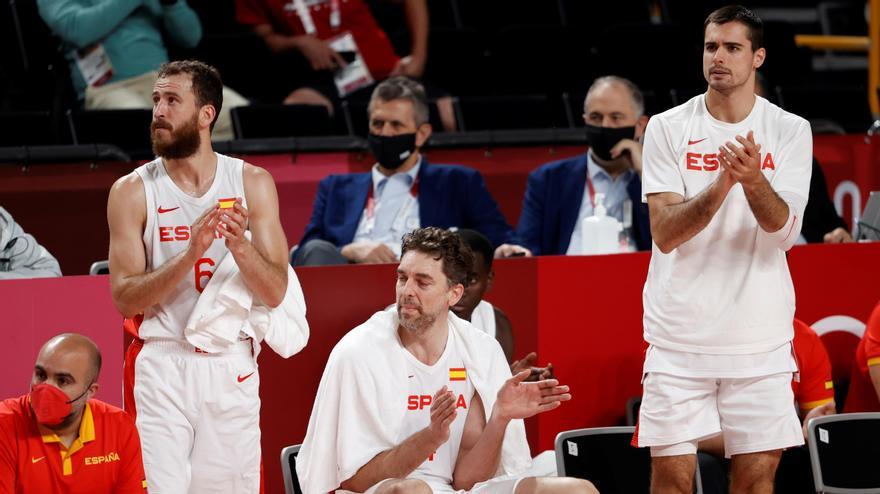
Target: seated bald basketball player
(418,401)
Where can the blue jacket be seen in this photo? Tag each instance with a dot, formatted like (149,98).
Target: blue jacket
(449,196)
(553,200)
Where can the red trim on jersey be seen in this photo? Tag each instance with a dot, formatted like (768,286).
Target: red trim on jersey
(128,376)
(132,325)
(635,440)
(791,228)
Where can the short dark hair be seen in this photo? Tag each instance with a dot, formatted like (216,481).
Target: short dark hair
(479,244)
(96,364)
(738,13)
(206,83)
(447,247)
(402,88)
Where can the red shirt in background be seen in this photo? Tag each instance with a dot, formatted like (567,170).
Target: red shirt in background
(355,16)
(104,459)
(815,387)
(862,397)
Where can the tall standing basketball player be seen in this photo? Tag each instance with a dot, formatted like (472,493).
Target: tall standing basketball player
(171,222)
(726,177)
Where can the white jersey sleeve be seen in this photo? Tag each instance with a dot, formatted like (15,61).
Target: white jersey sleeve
(791,181)
(660,171)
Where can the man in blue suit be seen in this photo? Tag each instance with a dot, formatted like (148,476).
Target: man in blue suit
(561,194)
(361,217)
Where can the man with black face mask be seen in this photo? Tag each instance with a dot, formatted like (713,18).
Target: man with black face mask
(58,438)
(561,194)
(361,217)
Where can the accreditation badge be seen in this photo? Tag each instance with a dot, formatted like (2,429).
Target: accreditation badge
(355,75)
(94,65)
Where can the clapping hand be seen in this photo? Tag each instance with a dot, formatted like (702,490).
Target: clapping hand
(518,399)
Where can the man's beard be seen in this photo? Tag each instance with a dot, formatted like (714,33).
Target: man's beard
(416,325)
(183,142)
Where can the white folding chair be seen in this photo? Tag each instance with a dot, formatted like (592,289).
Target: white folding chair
(605,457)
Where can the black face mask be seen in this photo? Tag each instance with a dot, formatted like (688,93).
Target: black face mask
(392,151)
(602,139)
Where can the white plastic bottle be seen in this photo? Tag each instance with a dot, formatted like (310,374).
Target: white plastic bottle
(600,233)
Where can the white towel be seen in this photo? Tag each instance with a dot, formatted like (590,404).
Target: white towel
(227,308)
(361,401)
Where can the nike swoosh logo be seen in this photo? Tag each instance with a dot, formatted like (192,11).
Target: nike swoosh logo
(242,379)
(167,210)
(35,460)
(691,143)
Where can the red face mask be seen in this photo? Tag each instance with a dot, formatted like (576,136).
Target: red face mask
(51,405)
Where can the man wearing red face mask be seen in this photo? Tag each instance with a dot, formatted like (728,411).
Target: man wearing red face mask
(58,439)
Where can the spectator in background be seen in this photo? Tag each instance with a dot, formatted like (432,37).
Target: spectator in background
(115,49)
(311,31)
(20,254)
(361,217)
(821,221)
(864,384)
(58,438)
(486,317)
(561,194)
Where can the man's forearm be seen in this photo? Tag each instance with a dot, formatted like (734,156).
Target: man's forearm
(769,209)
(417,22)
(481,462)
(133,294)
(395,463)
(265,280)
(675,224)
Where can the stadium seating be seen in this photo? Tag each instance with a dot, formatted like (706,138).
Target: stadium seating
(538,57)
(604,456)
(260,121)
(844,452)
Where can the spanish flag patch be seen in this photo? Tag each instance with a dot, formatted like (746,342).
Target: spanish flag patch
(457,374)
(226,203)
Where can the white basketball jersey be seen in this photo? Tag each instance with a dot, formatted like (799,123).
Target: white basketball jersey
(423,382)
(170,212)
(483,318)
(727,290)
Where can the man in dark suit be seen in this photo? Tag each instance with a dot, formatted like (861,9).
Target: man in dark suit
(361,217)
(561,194)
